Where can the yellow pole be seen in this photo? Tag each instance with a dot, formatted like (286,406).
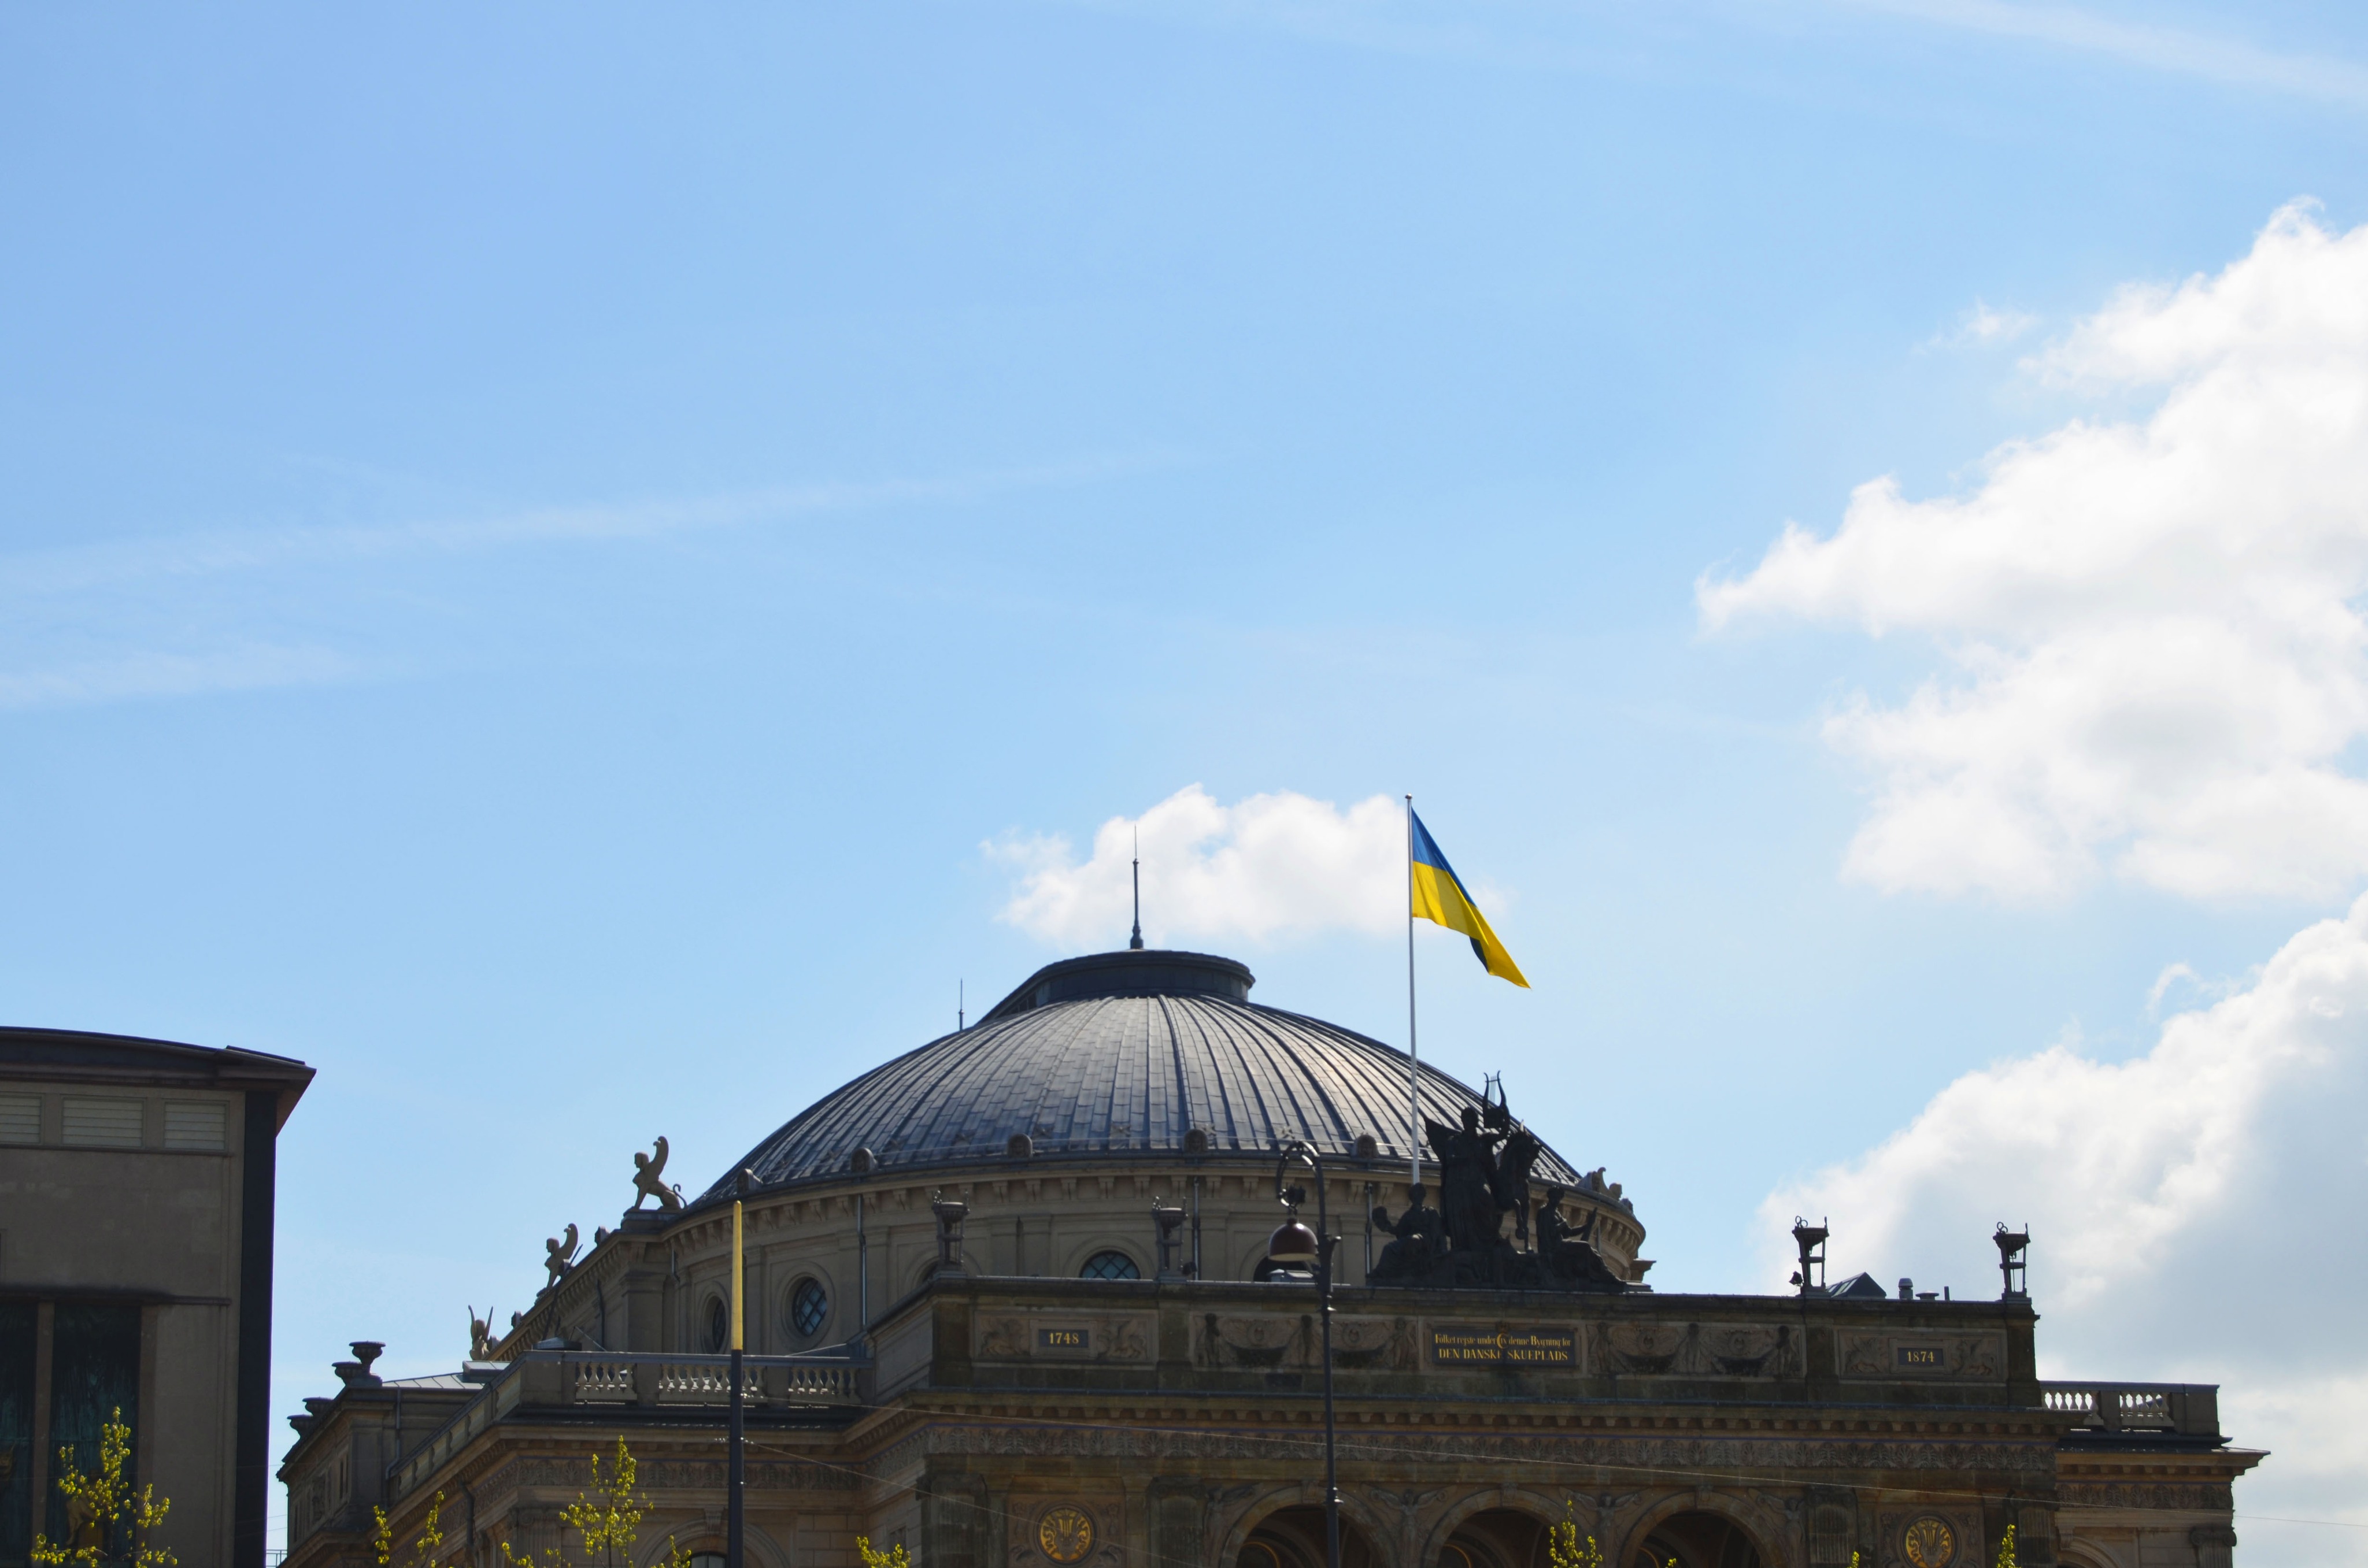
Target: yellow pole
(735,1464)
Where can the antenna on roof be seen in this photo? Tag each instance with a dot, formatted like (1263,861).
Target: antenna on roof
(1135,941)
(959,1000)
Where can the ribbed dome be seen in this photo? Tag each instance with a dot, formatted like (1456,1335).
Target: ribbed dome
(1125,1053)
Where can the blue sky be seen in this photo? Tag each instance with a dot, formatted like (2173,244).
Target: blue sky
(558,563)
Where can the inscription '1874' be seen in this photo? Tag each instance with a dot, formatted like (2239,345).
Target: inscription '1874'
(1921,1356)
(1504,1346)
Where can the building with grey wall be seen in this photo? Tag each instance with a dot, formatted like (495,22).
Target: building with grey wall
(137,1185)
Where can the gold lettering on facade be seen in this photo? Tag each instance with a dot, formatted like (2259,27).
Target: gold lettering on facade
(1504,1346)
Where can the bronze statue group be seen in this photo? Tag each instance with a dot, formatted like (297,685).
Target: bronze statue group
(1483,1175)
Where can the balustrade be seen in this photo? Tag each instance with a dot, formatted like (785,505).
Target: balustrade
(2188,1409)
(623,1380)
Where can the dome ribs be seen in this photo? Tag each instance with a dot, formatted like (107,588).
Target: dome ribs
(1307,1089)
(1182,1071)
(1157,1065)
(1059,1083)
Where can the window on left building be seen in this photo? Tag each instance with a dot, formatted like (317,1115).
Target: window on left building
(18,1324)
(93,1372)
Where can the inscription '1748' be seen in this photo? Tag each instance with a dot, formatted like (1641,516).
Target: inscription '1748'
(1504,1346)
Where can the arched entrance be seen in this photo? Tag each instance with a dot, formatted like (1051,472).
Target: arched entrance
(1698,1539)
(1497,1538)
(1293,1537)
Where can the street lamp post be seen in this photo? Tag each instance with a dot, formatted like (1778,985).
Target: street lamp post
(1292,1243)
(735,1472)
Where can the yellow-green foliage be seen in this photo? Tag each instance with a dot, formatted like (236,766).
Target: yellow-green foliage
(610,1527)
(1563,1549)
(102,1506)
(423,1550)
(874,1558)
(2006,1549)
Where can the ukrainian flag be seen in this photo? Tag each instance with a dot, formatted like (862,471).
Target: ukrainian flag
(1439,897)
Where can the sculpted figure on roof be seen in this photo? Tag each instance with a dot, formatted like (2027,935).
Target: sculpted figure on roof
(648,1172)
(1467,1177)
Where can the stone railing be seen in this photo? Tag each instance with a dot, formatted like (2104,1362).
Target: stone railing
(620,1381)
(2187,1410)
(592,1378)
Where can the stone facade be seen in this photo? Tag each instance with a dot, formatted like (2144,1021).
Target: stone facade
(654,1282)
(1181,1423)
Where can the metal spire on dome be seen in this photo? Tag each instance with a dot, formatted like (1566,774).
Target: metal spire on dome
(1134,942)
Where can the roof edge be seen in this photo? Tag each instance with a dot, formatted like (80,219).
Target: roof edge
(1142,972)
(97,1057)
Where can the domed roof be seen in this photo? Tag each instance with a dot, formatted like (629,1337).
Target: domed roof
(1113,1055)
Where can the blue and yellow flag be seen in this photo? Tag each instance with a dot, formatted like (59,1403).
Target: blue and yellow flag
(1439,896)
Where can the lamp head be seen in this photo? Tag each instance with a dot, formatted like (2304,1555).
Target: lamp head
(1292,1244)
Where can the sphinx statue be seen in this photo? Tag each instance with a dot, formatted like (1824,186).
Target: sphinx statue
(558,1257)
(648,1169)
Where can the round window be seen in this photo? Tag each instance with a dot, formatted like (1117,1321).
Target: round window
(809,1308)
(1111,1265)
(718,1324)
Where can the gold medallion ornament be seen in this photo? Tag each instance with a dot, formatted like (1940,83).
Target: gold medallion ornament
(1065,1534)
(1929,1543)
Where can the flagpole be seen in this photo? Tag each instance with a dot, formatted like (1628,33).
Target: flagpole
(1413,1053)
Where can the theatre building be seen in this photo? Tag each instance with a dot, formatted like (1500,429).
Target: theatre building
(1011,1303)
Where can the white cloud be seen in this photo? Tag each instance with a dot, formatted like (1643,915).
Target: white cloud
(1270,866)
(2213,57)
(2109,1158)
(2158,663)
(2199,1212)
(1983,325)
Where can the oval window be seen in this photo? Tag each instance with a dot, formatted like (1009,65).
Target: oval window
(809,1308)
(1111,1265)
(718,1324)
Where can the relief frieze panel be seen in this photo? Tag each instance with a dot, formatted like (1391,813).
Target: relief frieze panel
(1063,1337)
(1293,1342)
(1695,1350)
